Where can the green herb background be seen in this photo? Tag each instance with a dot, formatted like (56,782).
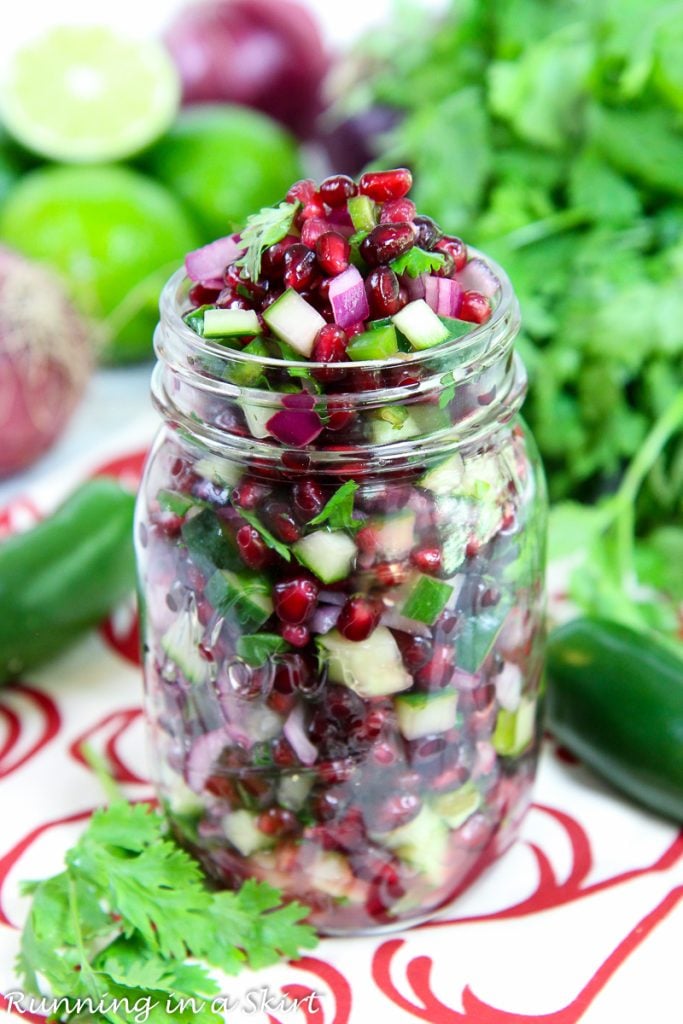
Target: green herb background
(550,133)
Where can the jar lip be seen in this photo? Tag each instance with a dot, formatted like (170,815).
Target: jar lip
(474,342)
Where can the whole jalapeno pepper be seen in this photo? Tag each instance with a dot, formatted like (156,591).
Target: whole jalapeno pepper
(615,698)
(62,577)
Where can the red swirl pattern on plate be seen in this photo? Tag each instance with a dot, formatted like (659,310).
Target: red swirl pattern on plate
(30,702)
(105,736)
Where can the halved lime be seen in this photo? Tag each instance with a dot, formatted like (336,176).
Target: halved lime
(85,94)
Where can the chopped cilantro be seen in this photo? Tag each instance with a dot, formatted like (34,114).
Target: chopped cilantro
(270,540)
(417,261)
(338,512)
(262,229)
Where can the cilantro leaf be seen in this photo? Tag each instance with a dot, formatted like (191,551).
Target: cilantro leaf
(129,912)
(195,318)
(338,512)
(417,261)
(256,648)
(268,537)
(262,229)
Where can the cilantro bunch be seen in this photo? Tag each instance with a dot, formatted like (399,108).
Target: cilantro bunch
(550,133)
(132,919)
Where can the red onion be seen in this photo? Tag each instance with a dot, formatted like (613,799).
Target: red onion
(332,597)
(206,265)
(341,221)
(442,295)
(414,286)
(394,620)
(266,54)
(325,618)
(464,681)
(46,359)
(348,298)
(204,753)
(477,276)
(294,731)
(295,427)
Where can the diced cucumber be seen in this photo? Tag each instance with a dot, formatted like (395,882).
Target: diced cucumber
(423,843)
(330,873)
(295,321)
(294,789)
(420,420)
(180,643)
(178,796)
(241,829)
(328,554)
(446,477)
(371,668)
(421,714)
(396,415)
(456,328)
(515,729)
(395,534)
(226,323)
(420,325)
(427,600)
(458,805)
(257,417)
(375,325)
(380,343)
(209,547)
(218,470)
(363,213)
(244,595)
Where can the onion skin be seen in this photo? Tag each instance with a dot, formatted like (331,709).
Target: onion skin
(46,359)
(266,54)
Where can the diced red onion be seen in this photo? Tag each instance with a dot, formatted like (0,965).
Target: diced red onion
(332,597)
(325,618)
(348,298)
(414,286)
(294,731)
(394,620)
(341,221)
(207,265)
(204,753)
(509,686)
(299,400)
(477,276)
(295,427)
(465,681)
(442,294)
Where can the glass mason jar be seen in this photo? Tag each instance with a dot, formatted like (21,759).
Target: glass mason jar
(343,698)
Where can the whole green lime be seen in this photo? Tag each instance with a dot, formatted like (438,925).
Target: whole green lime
(114,235)
(225,162)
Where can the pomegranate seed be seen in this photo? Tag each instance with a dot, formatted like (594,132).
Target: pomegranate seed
(297,636)
(308,499)
(384,185)
(337,189)
(313,229)
(315,208)
(281,703)
(384,754)
(167,523)
(472,548)
(338,416)
(283,754)
(397,211)
(382,288)
(367,540)
(338,770)
(249,494)
(222,787)
(271,297)
(474,307)
(426,559)
(358,618)
(329,347)
(297,462)
(295,600)
(447,622)
(387,242)
(438,671)
(232,276)
(454,247)
(277,821)
(299,263)
(302,191)
(331,803)
(416,651)
(229,300)
(397,810)
(348,833)
(272,260)
(333,251)
(353,329)
(391,574)
(252,548)
(199,295)
(428,232)
(280,521)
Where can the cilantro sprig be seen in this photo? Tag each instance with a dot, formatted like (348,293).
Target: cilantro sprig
(130,908)
(338,512)
(417,261)
(262,229)
(268,537)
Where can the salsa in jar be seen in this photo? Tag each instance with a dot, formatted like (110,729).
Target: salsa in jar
(340,541)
